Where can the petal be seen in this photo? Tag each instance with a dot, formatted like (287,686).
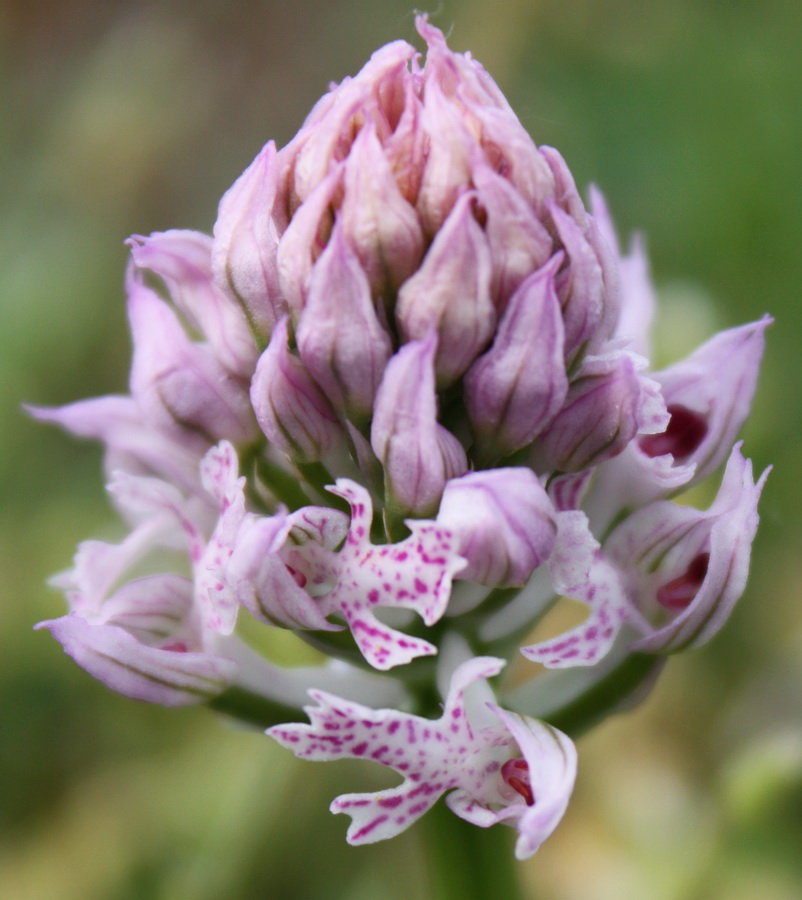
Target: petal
(178,384)
(725,532)
(580,571)
(552,761)
(121,662)
(261,581)
(433,756)
(216,601)
(603,591)
(717,383)
(413,574)
(131,444)
(183,259)
(638,299)
(156,610)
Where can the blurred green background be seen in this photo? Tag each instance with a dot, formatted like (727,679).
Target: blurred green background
(123,117)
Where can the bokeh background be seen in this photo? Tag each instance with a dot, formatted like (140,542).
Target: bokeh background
(118,117)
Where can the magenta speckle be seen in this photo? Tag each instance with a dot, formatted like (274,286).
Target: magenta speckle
(366,829)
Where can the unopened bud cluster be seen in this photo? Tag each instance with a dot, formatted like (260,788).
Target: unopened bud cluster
(400,403)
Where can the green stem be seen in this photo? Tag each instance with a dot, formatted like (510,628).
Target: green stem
(467,862)
(318,477)
(282,484)
(252,709)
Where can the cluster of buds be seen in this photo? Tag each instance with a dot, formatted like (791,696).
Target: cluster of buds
(400,403)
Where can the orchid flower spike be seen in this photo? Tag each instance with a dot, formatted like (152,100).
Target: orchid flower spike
(401,396)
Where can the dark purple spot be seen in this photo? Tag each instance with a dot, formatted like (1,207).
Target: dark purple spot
(366,829)
(685,432)
(679,593)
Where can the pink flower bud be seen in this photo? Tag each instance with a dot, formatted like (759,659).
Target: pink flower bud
(513,391)
(245,241)
(304,240)
(457,265)
(380,224)
(519,243)
(418,454)
(375,94)
(340,339)
(580,285)
(565,195)
(446,172)
(600,415)
(290,407)
(503,522)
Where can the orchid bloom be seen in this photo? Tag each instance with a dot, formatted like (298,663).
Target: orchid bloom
(500,767)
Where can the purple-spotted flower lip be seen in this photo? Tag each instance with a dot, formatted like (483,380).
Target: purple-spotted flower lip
(415,574)
(663,561)
(450,755)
